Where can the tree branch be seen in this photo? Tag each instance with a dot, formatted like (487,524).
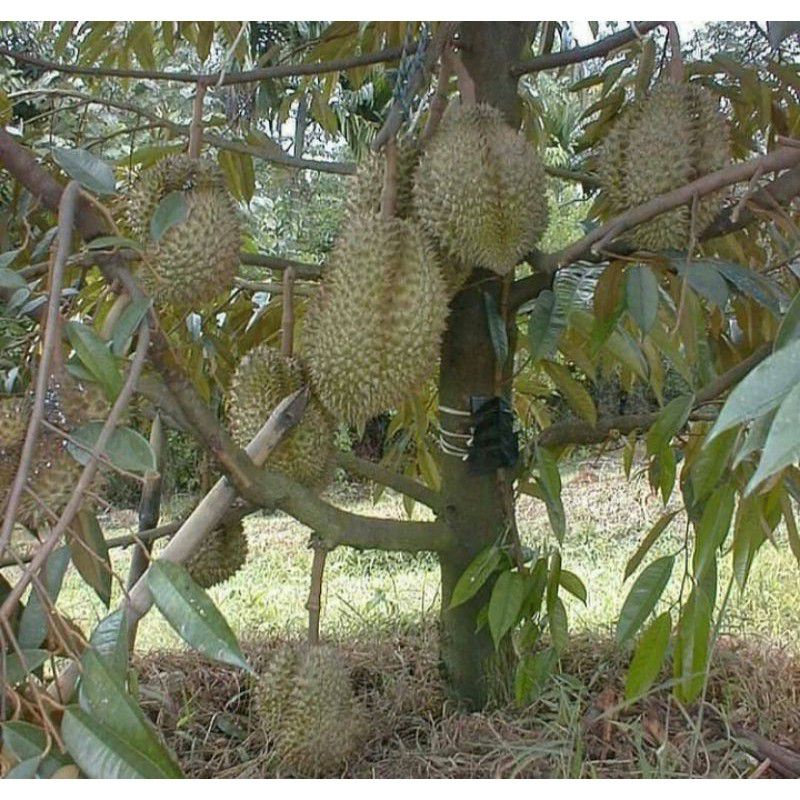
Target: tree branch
(580,432)
(577,54)
(387,477)
(215,78)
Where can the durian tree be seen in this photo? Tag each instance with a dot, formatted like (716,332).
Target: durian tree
(128,274)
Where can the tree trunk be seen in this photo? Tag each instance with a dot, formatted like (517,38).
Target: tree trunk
(474,505)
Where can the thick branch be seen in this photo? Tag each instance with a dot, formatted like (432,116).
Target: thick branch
(301,269)
(213,78)
(578,54)
(580,432)
(387,477)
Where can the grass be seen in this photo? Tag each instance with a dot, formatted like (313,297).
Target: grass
(381,610)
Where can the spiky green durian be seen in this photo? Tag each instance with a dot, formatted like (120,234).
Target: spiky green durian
(373,330)
(666,140)
(263,379)
(222,554)
(307,705)
(193,260)
(480,190)
(365,195)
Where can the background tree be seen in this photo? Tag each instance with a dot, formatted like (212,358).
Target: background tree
(282,107)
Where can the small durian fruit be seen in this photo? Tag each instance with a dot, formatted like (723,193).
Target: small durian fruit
(196,259)
(365,195)
(263,379)
(70,402)
(321,725)
(14,417)
(480,190)
(221,556)
(372,333)
(274,688)
(671,137)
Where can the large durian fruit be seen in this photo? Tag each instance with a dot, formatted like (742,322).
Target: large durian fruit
(372,333)
(480,190)
(364,197)
(263,379)
(196,259)
(671,137)
(307,709)
(222,554)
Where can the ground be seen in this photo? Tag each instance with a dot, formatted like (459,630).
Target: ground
(381,611)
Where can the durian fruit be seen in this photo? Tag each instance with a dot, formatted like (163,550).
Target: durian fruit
(70,402)
(196,259)
(14,417)
(307,706)
(263,379)
(480,190)
(365,195)
(372,333)
(221,556)
(666,140)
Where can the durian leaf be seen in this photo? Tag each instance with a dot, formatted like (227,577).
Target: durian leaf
(789,330)
(126,448)
(113,242)
(497,328)
(10,279)
(661,524)
(573,392)
(505,604)
(710,465)
(671,419)
(100,752)
(712,529)
(750,284)
(641,296)
(706,279)
(90,171)
(24,770)
(89,552)
(531,674)
(558,625)
(754,438)
(764,388)
(15,673)
(748,536)
(172,210)
(33,623)
(782,446)
(27,742)
(110,641)
(128,323)
(96,357)
(192,613)
(643,596)
(6,260)
(550,483)
(691,645)
(476,575)
(573,584)
(648,658)
(545,326)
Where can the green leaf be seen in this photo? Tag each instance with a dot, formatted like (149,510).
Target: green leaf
(572,391)
(643,596)
(691,646)
(648,658)
(172,210)
(764,388)
(705,278)
(532,673)
(573,584)
(505,604)
(110,641)
(559,627)
(497,328)
(102,753)
(476,575)
(751,284)
(96,357)
(652,537)
(90,171)
(748,536)
(126,448)
(550,481)
(11,280)
(28,742)
(545,326)
(712,529)
(89,552)
(128,323)
(114,243)
(641,296)
(15,673)
(24,770)
(33,623)
(192,613)
(710,465)
(671,419)
(782,446)
(789,330)
(754,439)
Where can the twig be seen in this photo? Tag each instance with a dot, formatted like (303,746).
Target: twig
(439,99)
(52,336)
(466,86)
(287,314)
(300,290)
(577,54)
(675,57)
(389,193)
(314,602)
(196,125)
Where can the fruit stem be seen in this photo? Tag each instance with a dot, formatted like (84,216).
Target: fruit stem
(389,194)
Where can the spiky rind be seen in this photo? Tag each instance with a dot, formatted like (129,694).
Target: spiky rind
(308,709)
(666,140)
(221,556)
(264,378)
(14,417)
(372,334)
(480,190)
(365,195)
